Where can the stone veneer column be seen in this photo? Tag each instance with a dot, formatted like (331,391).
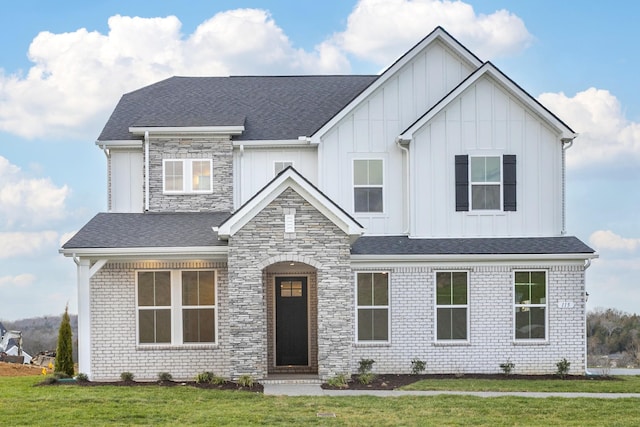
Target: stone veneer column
(317,242)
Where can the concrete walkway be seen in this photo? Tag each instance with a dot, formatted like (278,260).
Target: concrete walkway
(316,390)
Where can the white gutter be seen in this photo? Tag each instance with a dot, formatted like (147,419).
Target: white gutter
(566,144)
(146,171)
(172,130)
(300,142)
(470,258)
(408,197)
(205,252)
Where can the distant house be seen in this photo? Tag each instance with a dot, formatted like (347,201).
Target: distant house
(276,224)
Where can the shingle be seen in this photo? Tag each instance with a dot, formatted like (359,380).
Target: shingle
(270,107)
(135,230)
(402,245)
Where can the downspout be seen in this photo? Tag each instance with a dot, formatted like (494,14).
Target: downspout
(399,142)
(587,264)
(146,171)
(240,164)
(107,154)
(566,144)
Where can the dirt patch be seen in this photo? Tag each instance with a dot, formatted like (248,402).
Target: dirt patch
(18,370)
(227,385)
(391,382)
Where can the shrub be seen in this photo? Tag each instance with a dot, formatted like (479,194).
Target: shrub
(64,351)
(218,380)
(339,381)
(61,375)
(563,368)
(365,376)
(165,376)
(245,380)
(204,377)
(417,366)
(50,379)
(507,367)
(126,376)
(83,378)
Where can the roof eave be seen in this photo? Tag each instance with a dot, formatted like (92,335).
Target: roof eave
(199,252)
(173,130)
(470,258)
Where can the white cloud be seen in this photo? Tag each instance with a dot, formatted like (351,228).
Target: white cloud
(605,135)
(20,244)
(77,77)
(26,200)
(607,239)
(380,30)
(20,281)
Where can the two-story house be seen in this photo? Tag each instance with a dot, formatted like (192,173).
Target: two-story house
(275,224)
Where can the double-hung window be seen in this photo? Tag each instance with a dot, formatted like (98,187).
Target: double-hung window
(368,185)
(530,303)
(176,307)
(486,183)
(452,306)
(372,299)
(184,176)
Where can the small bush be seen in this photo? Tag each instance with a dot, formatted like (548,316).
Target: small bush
(339,381)
(165,376)
(126,376)
(245,381)
(218,380)
(204,377)
(83,378)
(507,367)
(50,379)
(563,368)
(61,375)
(366,378)
(365,365)
(417,366)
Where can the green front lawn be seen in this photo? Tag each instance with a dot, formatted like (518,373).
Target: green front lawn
(22,403)
(622,384)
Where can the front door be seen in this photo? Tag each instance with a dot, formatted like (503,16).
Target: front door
(292,339)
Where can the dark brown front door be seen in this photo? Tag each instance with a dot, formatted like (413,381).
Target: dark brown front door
(292,337)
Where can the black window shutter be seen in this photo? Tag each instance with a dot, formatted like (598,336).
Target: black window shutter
(462,183)
(509,182)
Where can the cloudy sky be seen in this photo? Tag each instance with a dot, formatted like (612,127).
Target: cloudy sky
(64,65)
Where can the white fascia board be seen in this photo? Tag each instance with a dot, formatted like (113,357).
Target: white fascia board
(271,143)
(271,192)
(200,252)
(490,70)
(125,143)
(179,130)
(470,259)
(437,35)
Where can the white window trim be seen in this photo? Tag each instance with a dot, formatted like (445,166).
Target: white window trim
(176,311)
(437,306)
(358,307)
(275,162)
(187,172)
(498,184)
(545,306)
(354,186)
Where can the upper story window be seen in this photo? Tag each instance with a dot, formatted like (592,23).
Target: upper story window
(372,306)
(452,304)
(368,185)
(530,303)
(280,166)
(185,176)
(488,181)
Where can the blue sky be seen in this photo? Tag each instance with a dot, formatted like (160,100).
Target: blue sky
(64,65)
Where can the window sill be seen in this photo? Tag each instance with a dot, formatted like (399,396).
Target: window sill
(185,193)
(530,342)
(452,344)
(154,347)
(372,344)
(486,213)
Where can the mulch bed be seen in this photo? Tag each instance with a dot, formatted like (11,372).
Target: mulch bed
(227,385)
(391,381)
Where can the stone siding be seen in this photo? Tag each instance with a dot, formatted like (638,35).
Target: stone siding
(114,344)
(491,324)
(218,149)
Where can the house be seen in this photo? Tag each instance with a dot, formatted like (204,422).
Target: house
(298,224)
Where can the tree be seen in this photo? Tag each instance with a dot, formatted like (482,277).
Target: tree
(64,352)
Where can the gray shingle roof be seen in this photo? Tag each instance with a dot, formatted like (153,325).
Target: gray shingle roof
(139,230)
(402,245)
(270,107)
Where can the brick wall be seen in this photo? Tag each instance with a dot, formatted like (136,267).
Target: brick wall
(490,327)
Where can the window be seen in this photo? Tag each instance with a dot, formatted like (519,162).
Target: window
(485,183)
(176,307)
(280,166)
(489,181)
(530,293)
(367,185)
(187,175)
(451,305)
(372,293)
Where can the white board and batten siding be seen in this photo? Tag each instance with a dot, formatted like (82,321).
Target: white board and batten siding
(370,130)
(486,120)
(126,180)
(254,167)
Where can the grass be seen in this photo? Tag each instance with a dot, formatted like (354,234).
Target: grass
(625,384)
(24,404)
